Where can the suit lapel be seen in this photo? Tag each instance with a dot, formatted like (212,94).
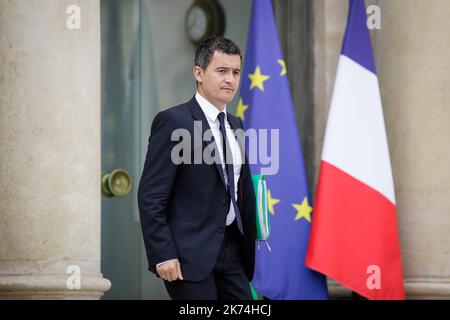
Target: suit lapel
(198,115)
(236,125)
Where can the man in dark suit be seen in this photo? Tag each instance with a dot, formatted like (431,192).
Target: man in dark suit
(198,217)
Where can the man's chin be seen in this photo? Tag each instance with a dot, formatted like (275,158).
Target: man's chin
(226,99)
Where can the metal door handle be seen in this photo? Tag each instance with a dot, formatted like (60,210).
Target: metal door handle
(116,183)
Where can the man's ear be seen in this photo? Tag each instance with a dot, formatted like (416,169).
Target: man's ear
(198,74)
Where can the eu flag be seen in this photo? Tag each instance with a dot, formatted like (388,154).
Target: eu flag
(265,103)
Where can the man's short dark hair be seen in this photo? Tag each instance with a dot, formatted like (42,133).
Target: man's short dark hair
(206,48)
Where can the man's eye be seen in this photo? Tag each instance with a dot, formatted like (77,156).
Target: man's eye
(236,73)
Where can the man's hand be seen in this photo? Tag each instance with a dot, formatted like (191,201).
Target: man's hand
(170,271)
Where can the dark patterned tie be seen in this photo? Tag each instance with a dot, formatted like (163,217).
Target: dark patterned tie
(230,170)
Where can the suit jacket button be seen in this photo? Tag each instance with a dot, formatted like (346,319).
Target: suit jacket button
(221,229)
(224,202)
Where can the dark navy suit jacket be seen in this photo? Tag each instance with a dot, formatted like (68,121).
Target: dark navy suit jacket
(183,207)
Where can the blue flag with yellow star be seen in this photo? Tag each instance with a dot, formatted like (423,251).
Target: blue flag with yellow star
(266,104)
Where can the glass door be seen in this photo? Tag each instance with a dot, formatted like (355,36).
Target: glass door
(129,103)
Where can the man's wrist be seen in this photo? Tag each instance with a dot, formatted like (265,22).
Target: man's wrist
(161,263)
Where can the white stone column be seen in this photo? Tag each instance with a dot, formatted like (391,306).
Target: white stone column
(329,26)
(49,151)
(412,55)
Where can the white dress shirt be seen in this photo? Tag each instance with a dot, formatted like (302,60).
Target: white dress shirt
(211,114)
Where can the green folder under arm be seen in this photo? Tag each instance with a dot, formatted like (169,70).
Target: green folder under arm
(262,214)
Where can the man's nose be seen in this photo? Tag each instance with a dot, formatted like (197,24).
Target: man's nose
(229,78)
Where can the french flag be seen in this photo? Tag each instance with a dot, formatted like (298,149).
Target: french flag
(354,237)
